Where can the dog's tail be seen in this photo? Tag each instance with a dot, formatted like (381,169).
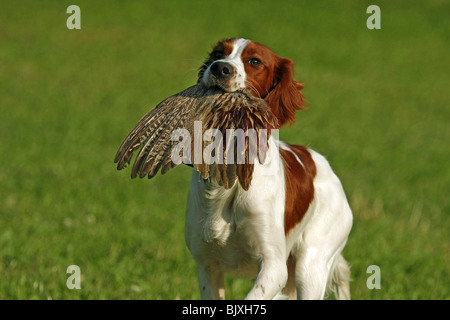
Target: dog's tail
(339,282)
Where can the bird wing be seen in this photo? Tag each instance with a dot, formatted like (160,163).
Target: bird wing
(152,131)
(216,110)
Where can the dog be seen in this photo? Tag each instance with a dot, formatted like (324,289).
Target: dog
(289,228)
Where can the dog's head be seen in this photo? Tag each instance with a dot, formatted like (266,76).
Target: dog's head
(238,63)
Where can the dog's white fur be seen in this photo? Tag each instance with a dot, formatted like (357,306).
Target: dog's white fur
(234,59)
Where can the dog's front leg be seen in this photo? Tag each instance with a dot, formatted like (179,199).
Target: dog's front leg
(271,280)
(211,282)
(273,273)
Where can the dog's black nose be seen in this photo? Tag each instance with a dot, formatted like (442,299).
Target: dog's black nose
(221,69)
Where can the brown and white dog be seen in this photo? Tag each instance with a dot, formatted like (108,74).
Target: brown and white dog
(289,229)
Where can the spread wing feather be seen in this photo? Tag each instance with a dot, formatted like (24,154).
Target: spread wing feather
(216,110)
(151,125)
(154,147)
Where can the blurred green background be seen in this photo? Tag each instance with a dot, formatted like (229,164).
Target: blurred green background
(378,110)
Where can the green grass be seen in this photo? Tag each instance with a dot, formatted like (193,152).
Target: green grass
(378,109)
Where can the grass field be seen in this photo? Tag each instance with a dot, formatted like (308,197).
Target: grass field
(379,109)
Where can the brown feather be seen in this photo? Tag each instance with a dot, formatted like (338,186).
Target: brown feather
(216,110)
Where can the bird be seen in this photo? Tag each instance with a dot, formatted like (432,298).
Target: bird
(202,109)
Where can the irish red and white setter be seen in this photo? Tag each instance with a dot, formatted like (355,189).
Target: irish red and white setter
(289,228)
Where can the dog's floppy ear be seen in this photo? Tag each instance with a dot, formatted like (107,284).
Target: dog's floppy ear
(285,97)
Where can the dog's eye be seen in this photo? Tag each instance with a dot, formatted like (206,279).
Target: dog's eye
(254,62)
(217,55)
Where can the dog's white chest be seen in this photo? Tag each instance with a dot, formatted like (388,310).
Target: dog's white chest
(228,228)
(226,231)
